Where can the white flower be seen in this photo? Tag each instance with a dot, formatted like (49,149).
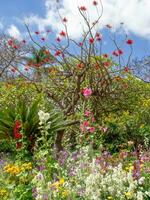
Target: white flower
(141,180)
(43,117)
(140,196)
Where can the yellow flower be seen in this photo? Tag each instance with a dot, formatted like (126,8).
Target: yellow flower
(61,181)
(109,197)
(65,193)
(128,195)
(3,193)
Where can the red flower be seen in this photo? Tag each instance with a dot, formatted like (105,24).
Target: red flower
(98,39)
(23,41)
(10,42)
(18,145)
(80,44)
(62,33)
(106,64)
(17,124)
(83,8)
(126,69)
(26,68)
(17,135)
(64,19)
(48,31)
(46,60)
(108,26)
(57,53)
(114,53)
(98,36)
(129,41)
(42,38)
(120,51)
(58,39)
(13,69)
(95,3)
(105,55)
(80,65)
(15,46)
(37,32)
(91,40)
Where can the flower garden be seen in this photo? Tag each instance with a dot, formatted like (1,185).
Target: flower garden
(74,125)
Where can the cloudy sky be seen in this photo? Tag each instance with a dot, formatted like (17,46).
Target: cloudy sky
(41,15)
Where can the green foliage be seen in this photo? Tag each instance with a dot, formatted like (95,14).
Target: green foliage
(6,145)
(27,114)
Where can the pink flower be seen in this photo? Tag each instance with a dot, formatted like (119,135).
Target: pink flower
(91,129)
(82,127)
(93,119)
(87,92)
(85,123)
(10,42)
(103,129)
(87,113)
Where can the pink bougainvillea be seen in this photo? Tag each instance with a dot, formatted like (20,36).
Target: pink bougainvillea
(87,92)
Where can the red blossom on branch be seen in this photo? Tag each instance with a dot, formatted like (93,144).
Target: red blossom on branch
(57,53)
(126,69)
(58,39)
(24,41)
(64,20)
(115,53)
(62,33)
(108,26)
(80,44)
(13,70)
(95,3)
(37,32)
(129,41)
(120,52)
(91,40)
(83,8)
(42,38)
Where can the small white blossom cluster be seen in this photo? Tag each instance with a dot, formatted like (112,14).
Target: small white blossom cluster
(43,117)
(96,183)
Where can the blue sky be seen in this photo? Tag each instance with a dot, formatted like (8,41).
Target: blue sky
(12,12)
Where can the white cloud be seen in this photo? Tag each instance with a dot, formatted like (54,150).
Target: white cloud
(13,31)
(134,13)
